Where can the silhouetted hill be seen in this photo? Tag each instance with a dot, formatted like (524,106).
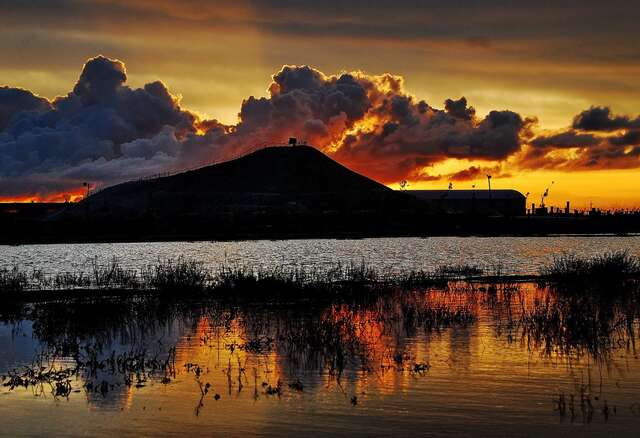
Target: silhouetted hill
(278,191)
(295,179)
(268,170)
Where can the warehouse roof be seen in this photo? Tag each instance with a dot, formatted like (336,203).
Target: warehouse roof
(432,195)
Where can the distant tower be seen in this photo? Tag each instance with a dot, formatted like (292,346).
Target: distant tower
(293,141)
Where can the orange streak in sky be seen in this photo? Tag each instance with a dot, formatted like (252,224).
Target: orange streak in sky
(74,195)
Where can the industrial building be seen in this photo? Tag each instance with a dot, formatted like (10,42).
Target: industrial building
(479,202)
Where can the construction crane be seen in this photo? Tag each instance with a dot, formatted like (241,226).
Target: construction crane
(545,194)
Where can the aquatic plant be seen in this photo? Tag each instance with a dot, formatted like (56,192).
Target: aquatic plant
(13,280)
(179,275)
(458,271)
(609,267)
(186,276)
(114,275)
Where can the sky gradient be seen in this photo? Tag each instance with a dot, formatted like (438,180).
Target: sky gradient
(551,91)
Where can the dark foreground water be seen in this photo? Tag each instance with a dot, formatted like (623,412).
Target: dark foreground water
(505,255)
(505,360)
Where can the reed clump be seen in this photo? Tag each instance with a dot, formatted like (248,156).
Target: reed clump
(176,275)
(610,267)
(113,275)
(13,280)
(458,271)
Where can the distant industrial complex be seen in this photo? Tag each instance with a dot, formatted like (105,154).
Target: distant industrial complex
(478,202)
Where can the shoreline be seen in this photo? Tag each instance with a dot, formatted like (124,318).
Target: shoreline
(245,237)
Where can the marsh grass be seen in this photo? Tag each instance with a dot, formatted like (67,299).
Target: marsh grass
(190,276)
(458,271)
(176,275)
(113,275)
(609,268)
(186,276)
(13,280)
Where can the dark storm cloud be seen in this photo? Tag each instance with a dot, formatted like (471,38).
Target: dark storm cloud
(601,119)
(305,102)
(629,138)
(14,101)
(567,139)
(595,140)
(458,108)
(103,131)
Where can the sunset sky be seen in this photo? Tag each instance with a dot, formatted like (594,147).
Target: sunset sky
(551,91)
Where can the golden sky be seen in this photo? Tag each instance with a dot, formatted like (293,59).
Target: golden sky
(549,61)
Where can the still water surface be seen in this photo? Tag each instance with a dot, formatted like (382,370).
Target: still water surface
(508,361)
(507,255)
(519,360)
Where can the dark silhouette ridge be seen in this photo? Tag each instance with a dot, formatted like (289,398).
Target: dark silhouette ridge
(297,179)
(274,192)
(272,170)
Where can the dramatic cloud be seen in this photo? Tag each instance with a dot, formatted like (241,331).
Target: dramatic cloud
(474,173)
(104,132)
(371,124)
(101,132)
(597,140)
(14,101)
(566,139)
(601,119)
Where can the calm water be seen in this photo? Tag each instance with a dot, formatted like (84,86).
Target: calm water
(517,361)
(508,255)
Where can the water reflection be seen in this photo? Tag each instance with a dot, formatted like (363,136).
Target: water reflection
(526,353)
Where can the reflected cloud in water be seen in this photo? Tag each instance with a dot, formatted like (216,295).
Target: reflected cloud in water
(422,356)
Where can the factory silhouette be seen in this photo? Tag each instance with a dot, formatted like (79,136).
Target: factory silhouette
(285,192)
